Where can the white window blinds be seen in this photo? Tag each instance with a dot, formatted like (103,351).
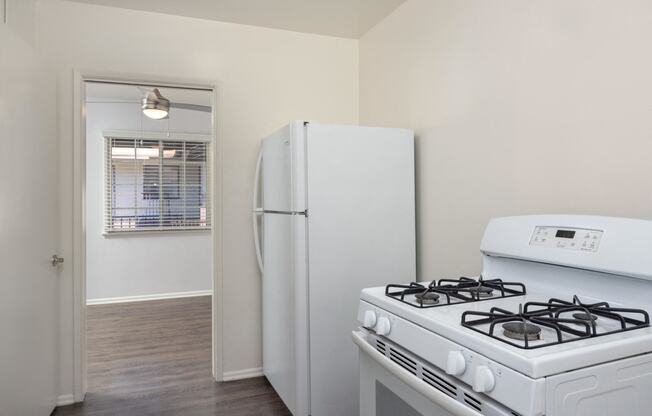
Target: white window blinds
(156,185)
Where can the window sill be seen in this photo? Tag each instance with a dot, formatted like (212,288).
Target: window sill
(141,233)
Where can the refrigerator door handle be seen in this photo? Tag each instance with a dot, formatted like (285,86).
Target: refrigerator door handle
(259,255)
(256,211)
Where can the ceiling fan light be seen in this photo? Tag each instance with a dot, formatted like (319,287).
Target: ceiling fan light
(155,106)
(155,113)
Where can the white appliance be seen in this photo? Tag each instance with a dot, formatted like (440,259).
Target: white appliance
(337,215)
(558,326)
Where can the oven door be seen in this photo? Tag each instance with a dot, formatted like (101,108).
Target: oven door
(387,389)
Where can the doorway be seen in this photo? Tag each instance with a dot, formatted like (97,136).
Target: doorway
(148,242)
(128,250)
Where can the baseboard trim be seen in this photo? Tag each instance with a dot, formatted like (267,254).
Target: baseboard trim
(65,400)
(242,374)
(140,298)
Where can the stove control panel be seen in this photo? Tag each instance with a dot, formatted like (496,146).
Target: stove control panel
(567,238)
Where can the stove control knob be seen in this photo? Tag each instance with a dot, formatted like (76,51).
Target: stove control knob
(484,380)
(456,364)
(383,326)
(369,319)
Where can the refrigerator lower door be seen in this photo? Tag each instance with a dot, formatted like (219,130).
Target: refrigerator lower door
(285,333)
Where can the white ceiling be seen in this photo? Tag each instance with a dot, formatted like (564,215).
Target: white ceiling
(342,18)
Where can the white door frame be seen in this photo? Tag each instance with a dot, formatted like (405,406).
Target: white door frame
(79,217)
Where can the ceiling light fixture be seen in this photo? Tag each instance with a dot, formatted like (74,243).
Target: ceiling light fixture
(155,106)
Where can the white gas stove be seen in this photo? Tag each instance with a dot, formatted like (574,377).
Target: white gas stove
(556,325)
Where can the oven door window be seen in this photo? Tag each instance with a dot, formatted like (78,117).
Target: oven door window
(389,404)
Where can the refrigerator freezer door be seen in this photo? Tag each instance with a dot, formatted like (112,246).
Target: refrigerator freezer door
(283,167)
(361,228)
(285,334)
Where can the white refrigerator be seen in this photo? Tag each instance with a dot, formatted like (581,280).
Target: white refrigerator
(334,212)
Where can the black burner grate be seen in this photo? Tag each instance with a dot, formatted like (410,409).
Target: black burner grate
(569,321)
(453,291)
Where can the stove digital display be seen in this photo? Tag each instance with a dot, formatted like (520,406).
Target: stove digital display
(565,234)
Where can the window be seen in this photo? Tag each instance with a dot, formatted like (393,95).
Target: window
(156,185)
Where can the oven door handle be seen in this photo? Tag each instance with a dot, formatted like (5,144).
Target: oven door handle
(434,395)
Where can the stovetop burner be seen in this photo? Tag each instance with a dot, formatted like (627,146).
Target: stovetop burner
(521,330)
(482,291)
(427,298)
(562,322)
(583,316)
(453,291)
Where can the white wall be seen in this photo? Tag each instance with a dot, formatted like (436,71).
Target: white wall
(139,264)
(519,106)
(268,77)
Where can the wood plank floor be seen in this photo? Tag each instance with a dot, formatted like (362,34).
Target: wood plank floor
(153,358)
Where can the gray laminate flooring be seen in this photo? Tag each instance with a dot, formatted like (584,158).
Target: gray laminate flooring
(153,358)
